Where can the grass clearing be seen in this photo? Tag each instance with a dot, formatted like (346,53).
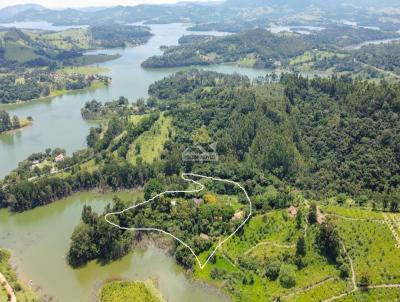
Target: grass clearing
(373,249)
(19,53)
(151,142)
(352,212)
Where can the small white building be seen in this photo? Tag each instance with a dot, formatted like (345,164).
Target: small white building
(59,158)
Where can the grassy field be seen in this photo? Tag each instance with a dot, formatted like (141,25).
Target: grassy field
(19,53)
(122,291)
(85,70)
(271,237)
(23,293)
(151,142)
(68,39)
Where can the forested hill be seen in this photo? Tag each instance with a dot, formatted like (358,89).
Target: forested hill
(321,136)
(328,136)
(260,47)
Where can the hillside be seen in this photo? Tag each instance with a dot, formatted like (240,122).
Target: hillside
(318,158)
(33,48)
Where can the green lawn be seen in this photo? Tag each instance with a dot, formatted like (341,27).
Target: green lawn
(124,291)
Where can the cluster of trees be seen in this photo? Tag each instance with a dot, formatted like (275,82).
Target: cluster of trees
(7,123)
(95,110)
(11,91)
(39,83)
(25,195)
(94,238)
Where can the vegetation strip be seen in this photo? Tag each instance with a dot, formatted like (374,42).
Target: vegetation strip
(186,191)
(8,288)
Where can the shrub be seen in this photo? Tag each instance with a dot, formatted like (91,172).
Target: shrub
(273,269)
(287,276)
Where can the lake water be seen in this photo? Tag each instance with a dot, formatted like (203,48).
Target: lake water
(371,42)
(58,122)
(39,241)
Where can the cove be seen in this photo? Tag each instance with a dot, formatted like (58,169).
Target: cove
(39,241)
(58,121)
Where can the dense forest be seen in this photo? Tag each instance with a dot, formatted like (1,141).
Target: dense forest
(323,136)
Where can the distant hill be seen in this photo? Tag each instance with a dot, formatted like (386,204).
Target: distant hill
(13,10)
(249,13)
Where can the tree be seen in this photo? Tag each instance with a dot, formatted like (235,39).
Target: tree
(301,246)
(328,240)
(137,148)
(273,269)
(299,218)
(287,276)
(184,256)
(365,280)
(82,248)
(15,122)
(5,122)
(312,213)
(152,188)
(210,198)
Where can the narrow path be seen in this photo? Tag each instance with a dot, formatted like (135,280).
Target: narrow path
(269,243)
(356,219)
(353,278)
(310,286)
(8,288)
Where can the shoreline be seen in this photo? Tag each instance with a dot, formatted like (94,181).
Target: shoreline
(95,85)
(13,131)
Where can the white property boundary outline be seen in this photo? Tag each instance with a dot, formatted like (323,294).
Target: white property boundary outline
(202,187)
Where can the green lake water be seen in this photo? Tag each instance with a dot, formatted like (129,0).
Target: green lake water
(39,241)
